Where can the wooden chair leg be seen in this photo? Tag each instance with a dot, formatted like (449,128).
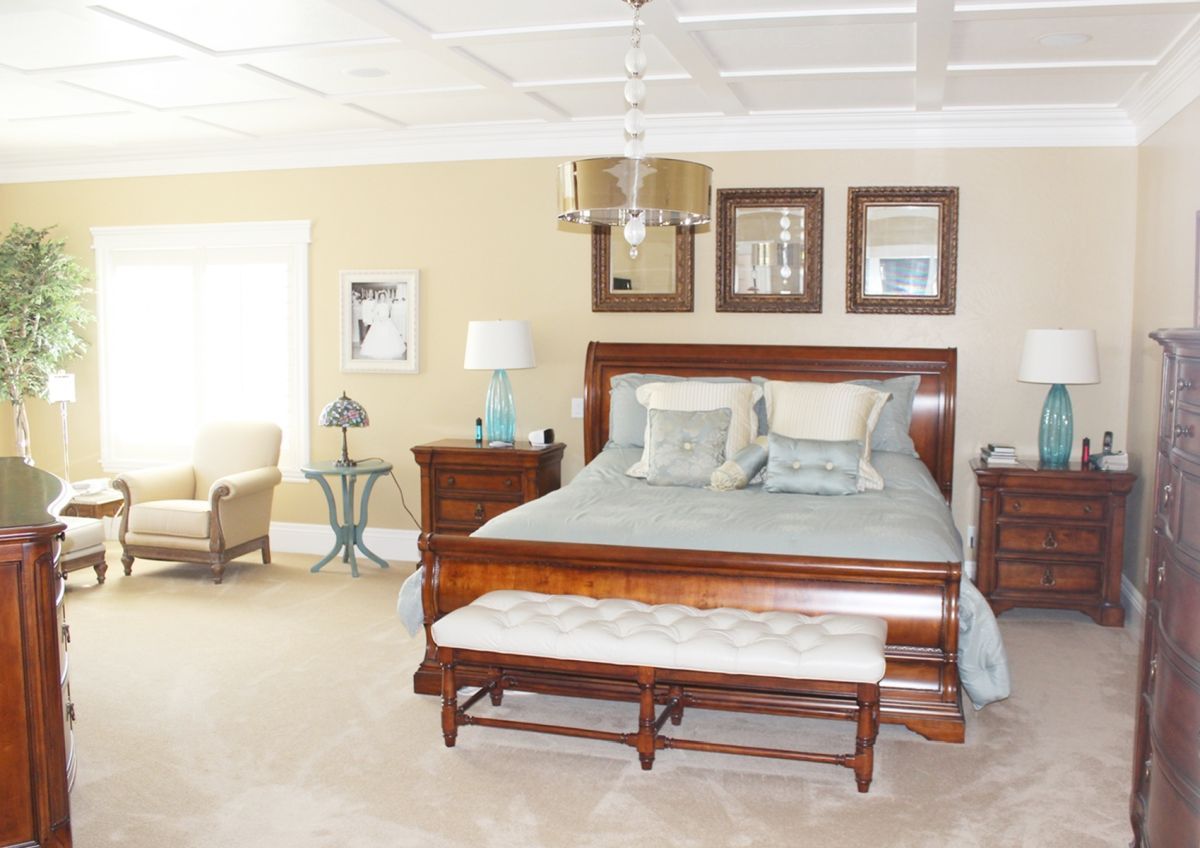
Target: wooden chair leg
(127,561)
(646,730)
(218,570)
(449,697)
(266,551)
(868,729)
(101,569)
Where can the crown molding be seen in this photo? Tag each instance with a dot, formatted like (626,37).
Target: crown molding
(1074,127)
(1163,94)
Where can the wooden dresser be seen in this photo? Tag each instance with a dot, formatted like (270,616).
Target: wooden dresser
(464,484)
(37,757)
(1052,538)
(1165,802)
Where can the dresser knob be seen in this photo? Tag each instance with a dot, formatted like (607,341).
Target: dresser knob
(1185,384)
(1048,577)
(1050,543)
(451,481)
(1087,509)
(1183,431)
(1016,506)
(479,511)
(508,482)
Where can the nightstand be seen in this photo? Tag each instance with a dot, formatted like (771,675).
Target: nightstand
(464,484)
(1052,538)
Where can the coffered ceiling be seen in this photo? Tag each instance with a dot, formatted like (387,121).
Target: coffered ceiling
(170,86)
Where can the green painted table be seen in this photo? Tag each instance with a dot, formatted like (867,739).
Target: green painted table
(348,531)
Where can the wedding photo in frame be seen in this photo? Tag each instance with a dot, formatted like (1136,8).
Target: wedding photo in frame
(379,318)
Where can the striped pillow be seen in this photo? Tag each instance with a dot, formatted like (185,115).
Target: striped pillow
(702,396)
(831,412)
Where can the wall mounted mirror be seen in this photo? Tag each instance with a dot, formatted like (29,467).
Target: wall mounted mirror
(769,249)
(659,279)
(902,250)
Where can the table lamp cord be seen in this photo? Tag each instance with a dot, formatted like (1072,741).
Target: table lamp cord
(403,502)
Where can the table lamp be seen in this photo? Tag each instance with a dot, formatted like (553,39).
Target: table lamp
(499,346)
(344,412)
(1058,357)
(60,389)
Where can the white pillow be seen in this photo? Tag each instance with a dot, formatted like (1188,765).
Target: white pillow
(830,412)
(701,396)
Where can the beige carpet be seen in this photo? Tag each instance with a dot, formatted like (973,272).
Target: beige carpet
(277,710)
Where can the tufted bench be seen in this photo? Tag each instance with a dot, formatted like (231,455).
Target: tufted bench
(664,649)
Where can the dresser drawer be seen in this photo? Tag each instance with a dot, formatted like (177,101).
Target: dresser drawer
(1185,432)
(472,511)
(1050,539)
(1015,574)
(473,480)
(1177,590)
(1020,505)
(1186,381)
(1172,817)
(1175,716)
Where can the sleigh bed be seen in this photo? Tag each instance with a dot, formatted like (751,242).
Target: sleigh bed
(918,597)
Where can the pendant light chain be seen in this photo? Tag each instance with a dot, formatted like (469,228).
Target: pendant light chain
(635,120)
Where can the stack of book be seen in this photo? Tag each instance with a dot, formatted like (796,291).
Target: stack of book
(992,454)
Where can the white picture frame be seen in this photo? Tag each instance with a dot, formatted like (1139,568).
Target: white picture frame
(388,304)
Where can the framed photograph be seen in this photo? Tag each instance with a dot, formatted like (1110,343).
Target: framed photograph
(379,321)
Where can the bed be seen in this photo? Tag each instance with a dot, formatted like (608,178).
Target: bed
(915,587)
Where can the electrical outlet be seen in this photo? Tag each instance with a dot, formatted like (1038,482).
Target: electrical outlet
(576,407)
(971,536)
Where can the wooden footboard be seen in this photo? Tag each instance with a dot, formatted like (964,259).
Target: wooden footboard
(918,600)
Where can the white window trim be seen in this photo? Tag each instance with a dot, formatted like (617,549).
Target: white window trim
(296,234)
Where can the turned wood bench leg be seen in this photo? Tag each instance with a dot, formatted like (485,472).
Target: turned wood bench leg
(449,697)
(868,729)
(497,694)
(646,729)
(675,696)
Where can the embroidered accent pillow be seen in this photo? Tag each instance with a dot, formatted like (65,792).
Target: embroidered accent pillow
(685,448)
(699,396)
(828,412)
(811,466)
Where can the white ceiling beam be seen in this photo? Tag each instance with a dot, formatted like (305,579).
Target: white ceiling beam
(661,20)
(935,27)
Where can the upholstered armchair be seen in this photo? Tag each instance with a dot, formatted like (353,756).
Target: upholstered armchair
(212,510)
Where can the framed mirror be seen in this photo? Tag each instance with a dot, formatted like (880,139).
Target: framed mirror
(659,279)
(769,249)
(902,250)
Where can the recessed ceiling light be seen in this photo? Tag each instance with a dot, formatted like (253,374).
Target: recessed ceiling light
(367,73)
(1064,39)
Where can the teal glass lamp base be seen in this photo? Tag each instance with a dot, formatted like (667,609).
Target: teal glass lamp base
(500,416)
(1056,430)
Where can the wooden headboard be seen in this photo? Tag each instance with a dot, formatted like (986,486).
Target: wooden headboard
(932,427)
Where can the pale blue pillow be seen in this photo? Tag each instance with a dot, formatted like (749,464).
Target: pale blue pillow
(685,448)
(891,432)
(627,417)
(744,466)
(811,466)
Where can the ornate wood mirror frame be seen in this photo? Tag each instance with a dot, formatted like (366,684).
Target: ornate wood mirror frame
(769,249)
(902,249)
(660,279)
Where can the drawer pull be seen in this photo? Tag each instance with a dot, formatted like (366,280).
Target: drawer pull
(1183,431)
(1048,577)
(1162,572)
(479,511)
(451,481)
(508,482)
(1087,509)
(1153,668)
(1166,495)
(1185,384)
(1146,768)
(1049,543)
(1016,506)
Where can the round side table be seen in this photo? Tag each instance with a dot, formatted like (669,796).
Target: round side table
(349,532)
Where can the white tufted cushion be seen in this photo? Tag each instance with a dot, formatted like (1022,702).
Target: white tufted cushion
(845,648)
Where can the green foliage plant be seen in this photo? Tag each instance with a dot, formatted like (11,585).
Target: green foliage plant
(41,311)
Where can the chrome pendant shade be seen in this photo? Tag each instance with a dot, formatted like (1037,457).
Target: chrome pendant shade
(635,191)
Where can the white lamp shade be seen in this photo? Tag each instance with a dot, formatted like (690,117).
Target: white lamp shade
(492,345)
(60,388)
(1059,356)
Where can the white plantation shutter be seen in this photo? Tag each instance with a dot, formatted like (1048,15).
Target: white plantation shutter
(197,324)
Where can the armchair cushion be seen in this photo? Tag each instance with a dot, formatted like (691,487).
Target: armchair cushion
(245,483)
(175,517)
(163,483)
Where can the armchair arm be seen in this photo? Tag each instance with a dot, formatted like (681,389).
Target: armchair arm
(245,483)
(168,482)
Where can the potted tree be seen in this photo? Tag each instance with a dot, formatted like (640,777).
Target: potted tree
(40,310)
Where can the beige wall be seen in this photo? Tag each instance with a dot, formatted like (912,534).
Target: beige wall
(1044,241)
(1168,202)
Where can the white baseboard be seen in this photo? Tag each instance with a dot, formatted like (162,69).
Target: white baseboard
(392,545)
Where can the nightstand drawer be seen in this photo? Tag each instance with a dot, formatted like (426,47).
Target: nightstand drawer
(1048,576)
(471,511)
(451,480)
(1020,505)
(1050,539)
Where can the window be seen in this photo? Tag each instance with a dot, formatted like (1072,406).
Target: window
(200,323)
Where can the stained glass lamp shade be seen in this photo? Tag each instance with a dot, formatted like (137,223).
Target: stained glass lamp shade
(1058,357)
(345,413)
